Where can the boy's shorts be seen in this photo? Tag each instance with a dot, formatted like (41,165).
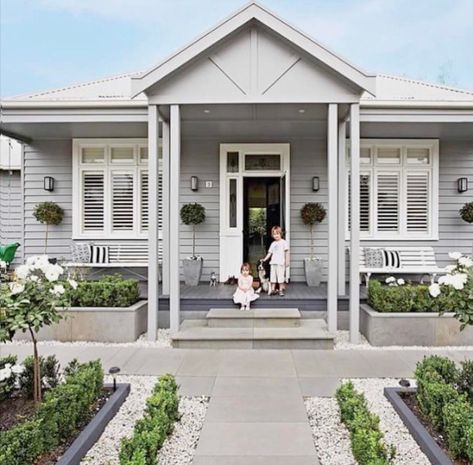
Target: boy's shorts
(278,274)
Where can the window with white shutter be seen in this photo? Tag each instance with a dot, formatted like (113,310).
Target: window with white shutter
(111,188)
(398,189)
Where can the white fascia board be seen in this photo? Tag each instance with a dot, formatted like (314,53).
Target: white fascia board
(467,104)
(417,115)
(223,29)
(18,104)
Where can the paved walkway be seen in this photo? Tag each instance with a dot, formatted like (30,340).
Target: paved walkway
(256,414)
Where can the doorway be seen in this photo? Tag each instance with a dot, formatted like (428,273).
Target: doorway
(262,209)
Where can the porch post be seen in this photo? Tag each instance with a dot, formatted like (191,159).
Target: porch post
(355,223)
(342,130)
(165,231)
(332,155)
(153,238)
(175,158)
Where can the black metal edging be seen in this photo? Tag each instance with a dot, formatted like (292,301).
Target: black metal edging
(91,433)
(423,438)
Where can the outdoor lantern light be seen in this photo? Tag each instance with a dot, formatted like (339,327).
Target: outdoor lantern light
(315,184)
(48,183)
(114,372)
(462,185)
(194,183)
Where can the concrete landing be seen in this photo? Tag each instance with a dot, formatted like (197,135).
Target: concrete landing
(258,318)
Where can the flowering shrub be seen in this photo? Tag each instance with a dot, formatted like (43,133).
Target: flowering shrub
(9,375)
(30,301)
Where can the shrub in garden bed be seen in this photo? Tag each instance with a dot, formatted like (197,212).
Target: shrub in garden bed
(443,397)
(367,440)
(151,431)
(57,418)
(108,291)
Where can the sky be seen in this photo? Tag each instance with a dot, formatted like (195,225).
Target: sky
(46,44)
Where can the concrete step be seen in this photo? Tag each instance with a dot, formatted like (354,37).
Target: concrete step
(254,318)
(311,334)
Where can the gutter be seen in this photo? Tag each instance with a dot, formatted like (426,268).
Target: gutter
(20,104)
(421,104)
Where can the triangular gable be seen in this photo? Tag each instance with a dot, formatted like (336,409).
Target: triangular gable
(253,19)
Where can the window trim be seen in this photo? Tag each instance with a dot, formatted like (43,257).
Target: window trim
(373,168)
(107,168)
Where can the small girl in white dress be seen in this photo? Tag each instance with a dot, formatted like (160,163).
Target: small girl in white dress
(245,294)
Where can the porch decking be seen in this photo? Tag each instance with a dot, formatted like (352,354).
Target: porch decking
(298,295)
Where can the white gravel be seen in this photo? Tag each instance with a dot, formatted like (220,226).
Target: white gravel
(178,448)
(331,437)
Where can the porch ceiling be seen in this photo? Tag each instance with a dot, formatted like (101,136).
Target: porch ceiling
(417,130)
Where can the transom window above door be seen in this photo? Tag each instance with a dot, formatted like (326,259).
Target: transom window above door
(398,189)
(238,162)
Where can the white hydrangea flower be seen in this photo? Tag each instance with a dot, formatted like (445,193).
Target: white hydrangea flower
(434,290)
(401,282)
(34,278)
(458,280)
(455,255)
(450,268)
(72,283)
(58,289)
(390,280)
(3,264)
(18,369)
(22,271)
(466,262)
(16,288)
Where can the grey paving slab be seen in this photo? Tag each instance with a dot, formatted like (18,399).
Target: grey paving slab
(153,362)
(250,386)
(255,460)
(255,439)
(195,385)
(384,365)
(313,363)
(270,363)
(200,363)
(322,386)
(256,408)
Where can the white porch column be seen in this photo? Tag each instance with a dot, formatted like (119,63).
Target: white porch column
(355,223)
(175,159)
(342,199)
(332,155)
(165,232)
(153,237)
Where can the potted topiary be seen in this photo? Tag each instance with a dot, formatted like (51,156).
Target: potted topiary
(311,214)
(192,214)
(48,213)
(466,212)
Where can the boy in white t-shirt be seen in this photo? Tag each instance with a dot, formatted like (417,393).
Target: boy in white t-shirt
(279,254)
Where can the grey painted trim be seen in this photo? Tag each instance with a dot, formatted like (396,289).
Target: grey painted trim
(332,156)
(425,441)
(23,203)
(342,129)
(92,432)
(355,223)
(166,190)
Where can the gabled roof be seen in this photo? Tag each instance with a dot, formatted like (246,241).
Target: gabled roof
(253,12)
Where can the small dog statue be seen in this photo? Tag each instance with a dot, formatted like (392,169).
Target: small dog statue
(213,279)
(264,285)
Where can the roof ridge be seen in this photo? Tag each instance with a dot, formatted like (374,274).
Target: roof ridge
(75,86)
(426,83)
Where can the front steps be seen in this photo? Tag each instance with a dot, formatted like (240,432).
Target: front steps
(260,328)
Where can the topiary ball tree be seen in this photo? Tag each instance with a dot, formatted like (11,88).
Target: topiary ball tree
(466,212)
(312,213)
(48,213)
(193,214)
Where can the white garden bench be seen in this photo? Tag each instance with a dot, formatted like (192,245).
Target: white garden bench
(413,260)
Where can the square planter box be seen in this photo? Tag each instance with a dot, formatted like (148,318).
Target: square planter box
(97,324)
(412,329)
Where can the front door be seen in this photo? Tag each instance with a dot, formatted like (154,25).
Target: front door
(262,209)
(254,196)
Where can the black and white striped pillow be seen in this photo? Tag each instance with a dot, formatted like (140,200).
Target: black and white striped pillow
(391,259)
(98,254)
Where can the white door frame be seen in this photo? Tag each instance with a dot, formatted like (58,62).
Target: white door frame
(231,238)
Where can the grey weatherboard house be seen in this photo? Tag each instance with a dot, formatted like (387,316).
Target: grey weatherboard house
(264,117)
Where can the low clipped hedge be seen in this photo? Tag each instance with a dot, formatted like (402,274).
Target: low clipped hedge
(61,413)
(108,291)
(151,431)
(367,440)
(443,395)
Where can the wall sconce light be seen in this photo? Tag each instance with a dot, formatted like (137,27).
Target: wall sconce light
(315,184)
(48,183)
(462,185)
(194,183)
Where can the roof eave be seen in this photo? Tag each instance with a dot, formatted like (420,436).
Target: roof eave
(417,104)
(24,104)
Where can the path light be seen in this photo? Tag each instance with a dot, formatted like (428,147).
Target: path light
(114,372)
(404,383)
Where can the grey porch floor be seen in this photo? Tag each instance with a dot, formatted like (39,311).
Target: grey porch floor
(256,414)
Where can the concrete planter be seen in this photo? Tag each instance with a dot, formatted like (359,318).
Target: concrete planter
(192,270)
(412,329)
(97,324)
(313,272)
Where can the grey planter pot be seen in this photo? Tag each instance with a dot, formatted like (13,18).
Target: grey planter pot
(313,272)
(192,271)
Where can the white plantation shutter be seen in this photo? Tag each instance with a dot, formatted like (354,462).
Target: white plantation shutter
(387,202)
(365,202)
(417,187)
(93,190)
(160,198)
(122,201)
(144,203)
